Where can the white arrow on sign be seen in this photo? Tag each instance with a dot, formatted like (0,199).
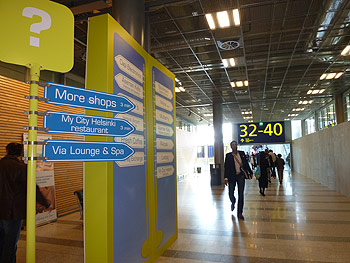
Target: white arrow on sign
(164,104)
(163,130)
(164,171)
(164,117)
(162,90)
(135,160)
(129,68)
(162,144)
(129,85)
(138,105)
(165,157)
(135,121)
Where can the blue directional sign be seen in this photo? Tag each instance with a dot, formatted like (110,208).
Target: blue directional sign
(88,99)
(83,151)
(63,122)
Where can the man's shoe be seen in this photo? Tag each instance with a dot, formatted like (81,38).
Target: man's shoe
(240,217)
(261,193)
(232,207)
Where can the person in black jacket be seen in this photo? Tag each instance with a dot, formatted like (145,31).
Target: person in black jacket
(236,171)
(263,158)
(13,193)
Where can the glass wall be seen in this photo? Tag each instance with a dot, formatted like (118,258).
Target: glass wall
(310,126)
(347,106)
(326,116)
(296,129)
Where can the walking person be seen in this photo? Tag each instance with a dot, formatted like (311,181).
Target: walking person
(236,171)
(269,165)
(280,167)
(252,161)
(13,193)
(264,166)
(273,163)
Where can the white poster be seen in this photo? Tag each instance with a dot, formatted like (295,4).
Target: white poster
(46,181)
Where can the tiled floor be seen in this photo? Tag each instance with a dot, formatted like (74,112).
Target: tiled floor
(299,221)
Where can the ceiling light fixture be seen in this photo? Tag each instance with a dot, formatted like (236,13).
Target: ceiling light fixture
(246,83)
(298,109)
(236,18)
(210,21)
(182,89)
(345,51)
(292,115)
(315,91)
(304,102)
(229,62)
(338,75)
(331,75)
(223,19)
(233,84)
(239,83)
(177,89)
(323,76)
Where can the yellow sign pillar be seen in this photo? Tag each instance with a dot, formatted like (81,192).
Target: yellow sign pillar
(39,35)
(31,177)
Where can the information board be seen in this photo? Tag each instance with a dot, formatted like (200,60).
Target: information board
(129,175)
(261,132)
(164,162)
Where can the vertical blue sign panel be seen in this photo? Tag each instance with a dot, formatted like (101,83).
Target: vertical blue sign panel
(165,153)
(129,178)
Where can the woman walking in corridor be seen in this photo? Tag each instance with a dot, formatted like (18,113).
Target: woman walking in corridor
(263,179)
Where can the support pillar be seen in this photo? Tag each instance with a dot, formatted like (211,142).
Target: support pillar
(147,34)
(218,137)
(339,108)
(130,15)
(303,130)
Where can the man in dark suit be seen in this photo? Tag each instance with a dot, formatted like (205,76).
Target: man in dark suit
(236,171)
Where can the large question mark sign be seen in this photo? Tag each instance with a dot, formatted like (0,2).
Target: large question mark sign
(37,27)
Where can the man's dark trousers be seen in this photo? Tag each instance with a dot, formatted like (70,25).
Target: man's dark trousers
(240,180)
(9,235)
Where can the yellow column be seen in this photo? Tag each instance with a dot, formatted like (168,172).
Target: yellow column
(31,173)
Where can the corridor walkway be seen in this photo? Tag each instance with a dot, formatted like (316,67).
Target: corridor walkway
(300,221)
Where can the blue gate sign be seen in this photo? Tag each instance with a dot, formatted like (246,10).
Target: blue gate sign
(88,99)
(83,151)
(63,122)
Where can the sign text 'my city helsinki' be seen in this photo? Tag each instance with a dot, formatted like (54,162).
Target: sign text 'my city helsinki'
(62,122)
